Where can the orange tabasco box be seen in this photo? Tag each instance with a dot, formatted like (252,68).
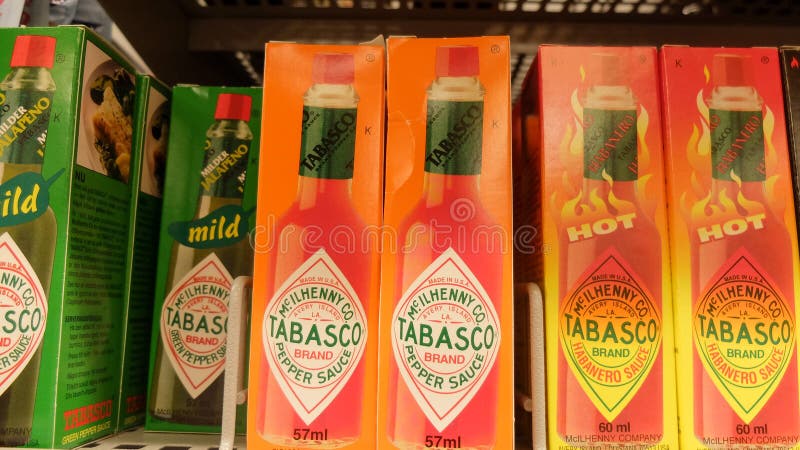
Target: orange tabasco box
(608,309)
(734,245)
(314,345)
(446,343)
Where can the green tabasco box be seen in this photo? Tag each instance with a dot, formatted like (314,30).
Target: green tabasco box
(66,120)
(151,129)
(209,204)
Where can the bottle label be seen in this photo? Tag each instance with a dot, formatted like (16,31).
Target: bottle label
(455,137)
(222,227)
(23,312)
(194,324)
(24,118)
(744,334)
(25,197)
(314,335)
(609,144)
(445,338)
(225,166)
(737,145)
(328,143)
(610,333)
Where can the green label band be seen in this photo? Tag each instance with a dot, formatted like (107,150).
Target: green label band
(737,145)
(329,142)
(24,117)
(454,137)
(609,144)
(224,167)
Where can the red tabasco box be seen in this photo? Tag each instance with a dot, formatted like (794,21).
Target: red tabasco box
(608,309)
(446,345)
(734,246)
(314,347)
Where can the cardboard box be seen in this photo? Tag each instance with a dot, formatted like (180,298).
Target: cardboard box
(65,146)
(151,130)
(446,344)
(608,309)
(208,205)
(734,247)
(315,309)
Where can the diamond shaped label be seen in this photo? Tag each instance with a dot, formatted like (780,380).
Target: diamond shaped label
(744,333)
(610,329)
(445,338)
(23,309)
(314,334)
(194,324)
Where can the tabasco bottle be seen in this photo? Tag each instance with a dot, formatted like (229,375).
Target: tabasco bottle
(315,325)
(445,333)
(610,363)
(186,383)
(27,246)
(745,367)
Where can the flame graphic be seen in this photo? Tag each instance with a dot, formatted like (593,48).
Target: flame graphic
(795,64)
(571,204)
(701,205)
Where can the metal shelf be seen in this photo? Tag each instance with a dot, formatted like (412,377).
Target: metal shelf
(222,41)
(137,439)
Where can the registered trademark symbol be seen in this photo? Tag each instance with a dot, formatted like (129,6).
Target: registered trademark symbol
(370,57)
(764,59)
(642,59)
(495,49)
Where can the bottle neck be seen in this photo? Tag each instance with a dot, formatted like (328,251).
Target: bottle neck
(30,78)
(224,166)
(610,141)
(737,145)
(313,191)
(27,97)
(327,148)
(444,188)
(454,139)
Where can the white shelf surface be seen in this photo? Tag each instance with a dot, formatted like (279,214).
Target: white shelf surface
(137,439)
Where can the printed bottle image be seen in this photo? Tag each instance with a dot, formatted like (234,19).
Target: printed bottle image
(445,329)
(187,383)
(745,368)
(610,363)
(315,325)
(27,246)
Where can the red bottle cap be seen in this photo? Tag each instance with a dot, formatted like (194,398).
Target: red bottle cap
(459,61)
(233,107)
(33,51)
(732,70)
(607,70)
(333,68)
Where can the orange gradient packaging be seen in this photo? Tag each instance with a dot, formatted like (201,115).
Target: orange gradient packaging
(446,344)
(313,352)
(608,309)
(734,246)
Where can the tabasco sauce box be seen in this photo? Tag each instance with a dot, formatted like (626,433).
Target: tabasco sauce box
(446,272)
(313,366)
(208,210)
(151,129)
(608,309)
(66,121)
(735,247)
